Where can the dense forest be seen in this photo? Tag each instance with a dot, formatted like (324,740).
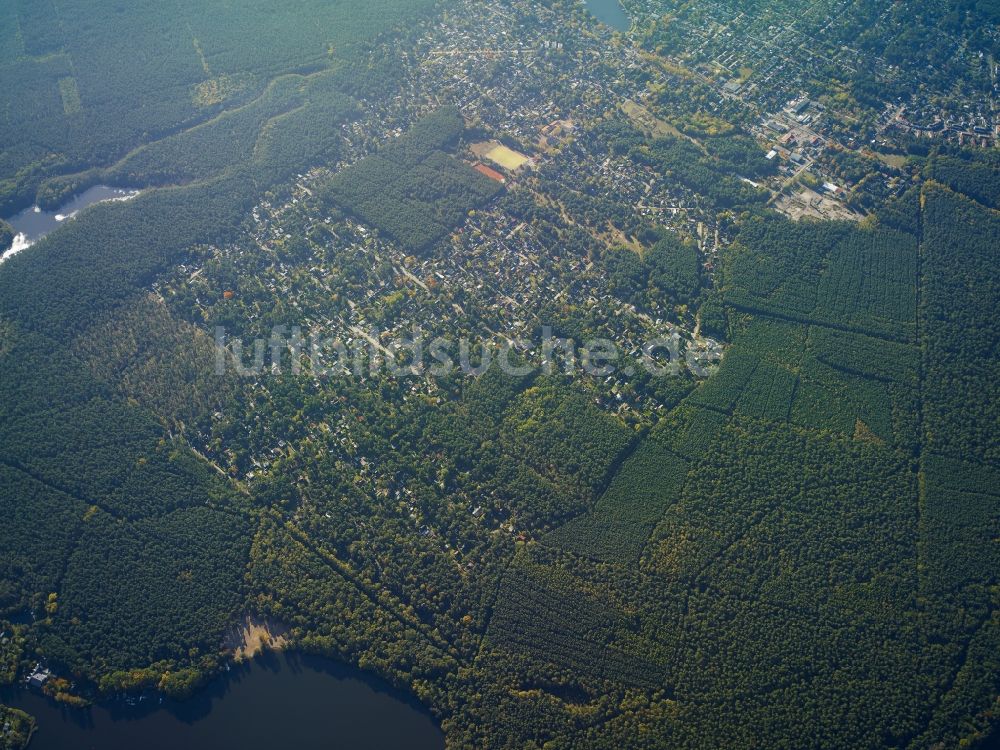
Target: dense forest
(669,271)
(827,420)
(290,126)
(6,236)
(829,273)
(187,65)
(977,178)
(411,189)
(720,179)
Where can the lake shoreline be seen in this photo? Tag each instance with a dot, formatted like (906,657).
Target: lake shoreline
(291,678)
(611,13)
(33,223)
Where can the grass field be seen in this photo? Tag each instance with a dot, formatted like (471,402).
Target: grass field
(643,119)
(70,96)
(507,158)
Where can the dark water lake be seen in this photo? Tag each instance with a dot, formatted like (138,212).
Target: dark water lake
(609,12)
(31,224)
(276,701)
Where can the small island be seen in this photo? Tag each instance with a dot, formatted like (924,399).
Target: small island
(16,728)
